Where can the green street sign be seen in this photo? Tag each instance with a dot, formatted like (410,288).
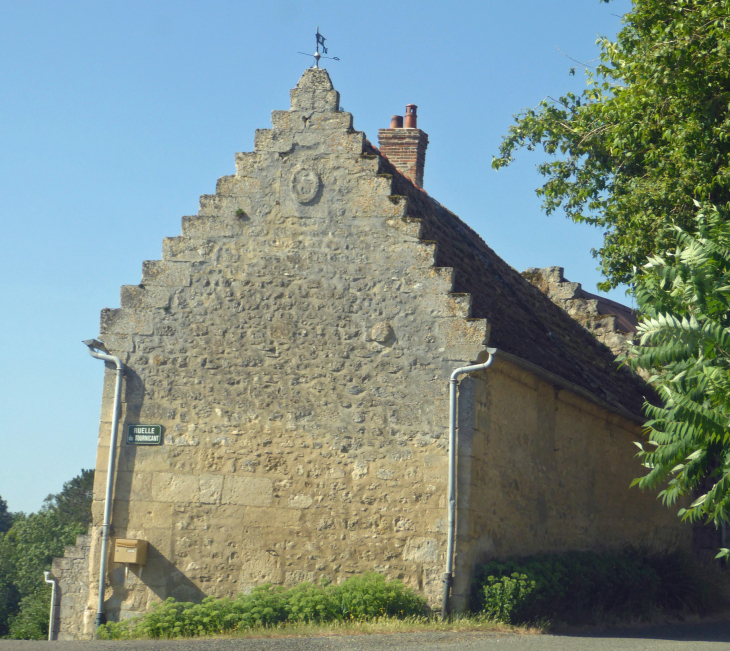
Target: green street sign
(144,435)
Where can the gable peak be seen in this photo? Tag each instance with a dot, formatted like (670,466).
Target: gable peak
(315,92)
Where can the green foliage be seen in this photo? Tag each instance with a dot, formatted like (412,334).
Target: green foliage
(370,595)
(505,596)
(9,595)
(584,587)
(685,344)
(26,551)
(31,544)
(6,517)
(359,598)
(648,137)
(73,503)
(31,621)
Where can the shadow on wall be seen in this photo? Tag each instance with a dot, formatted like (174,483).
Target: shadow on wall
(160,576)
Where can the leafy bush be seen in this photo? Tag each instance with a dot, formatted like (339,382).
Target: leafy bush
(503,596)
(582,587)
(26,551)
(31,620)
(359,598)
(370,595)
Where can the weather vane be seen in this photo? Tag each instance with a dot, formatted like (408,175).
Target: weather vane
(317,56)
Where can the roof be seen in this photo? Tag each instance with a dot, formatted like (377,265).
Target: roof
(524,322)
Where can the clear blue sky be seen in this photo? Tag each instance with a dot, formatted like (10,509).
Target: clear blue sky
(115,117)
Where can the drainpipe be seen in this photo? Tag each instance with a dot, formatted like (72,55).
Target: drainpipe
(50,579)
(98,350)
(448,575)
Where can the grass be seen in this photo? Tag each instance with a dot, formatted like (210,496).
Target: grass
(383,626)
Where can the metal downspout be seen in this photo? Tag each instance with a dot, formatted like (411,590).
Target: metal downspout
(95,348)
(447,576)
(49,578)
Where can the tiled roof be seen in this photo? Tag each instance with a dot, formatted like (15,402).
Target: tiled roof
(524,322)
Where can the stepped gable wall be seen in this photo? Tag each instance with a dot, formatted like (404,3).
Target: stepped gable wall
(293,342)
(613,324)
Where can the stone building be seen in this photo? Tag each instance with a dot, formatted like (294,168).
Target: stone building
(295,344)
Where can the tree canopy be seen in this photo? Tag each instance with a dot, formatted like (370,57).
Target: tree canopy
(73,503)
(27,549)
(6,517)
(684,295)
(648,137)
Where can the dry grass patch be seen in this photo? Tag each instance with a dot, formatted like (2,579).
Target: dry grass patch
(385,626)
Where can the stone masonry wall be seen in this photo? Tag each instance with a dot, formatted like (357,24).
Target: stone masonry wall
(294,343)
(72,573)
(541,469)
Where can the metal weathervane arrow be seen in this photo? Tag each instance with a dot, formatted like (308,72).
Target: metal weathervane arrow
(317,56)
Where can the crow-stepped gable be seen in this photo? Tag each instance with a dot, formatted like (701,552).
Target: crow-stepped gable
(295,344)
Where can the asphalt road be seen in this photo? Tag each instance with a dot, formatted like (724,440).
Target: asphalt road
(665,638)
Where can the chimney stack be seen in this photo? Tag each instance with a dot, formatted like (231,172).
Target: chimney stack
(404,145)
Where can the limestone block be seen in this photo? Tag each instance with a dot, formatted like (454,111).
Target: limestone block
(317,100)
(211,488)
(137,296)
(260,566)
(165,274)
(390,207)
(229,225)
(170,487)
(251,162)
(299,120)
(132,486)
(143,515)
(125,322)
(408,226)
(300,501)
(119,344)
(273,140)
(187,249)
(421,550)
(448,305)
(248,491)
(463,339)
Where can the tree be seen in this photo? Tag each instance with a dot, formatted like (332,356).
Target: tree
(6,517)
(27,550)
(73,503)
(685,341)
(648,137)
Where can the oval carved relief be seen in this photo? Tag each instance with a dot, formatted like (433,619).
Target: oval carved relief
(305,185)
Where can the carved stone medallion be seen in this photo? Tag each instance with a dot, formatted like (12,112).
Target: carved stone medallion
(305,185)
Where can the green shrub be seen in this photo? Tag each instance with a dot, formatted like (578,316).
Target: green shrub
(584,587)
(506,595)
(31,620)
(370,595)
(359,598)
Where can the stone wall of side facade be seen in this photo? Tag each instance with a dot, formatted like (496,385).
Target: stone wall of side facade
(541,469)
(72,598)
(295,344)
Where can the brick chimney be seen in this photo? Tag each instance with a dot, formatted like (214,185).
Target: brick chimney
(404,145)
